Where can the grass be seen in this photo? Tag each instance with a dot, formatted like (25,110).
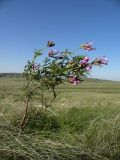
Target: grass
(82,124)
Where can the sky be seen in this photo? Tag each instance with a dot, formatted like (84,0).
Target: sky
(26,25)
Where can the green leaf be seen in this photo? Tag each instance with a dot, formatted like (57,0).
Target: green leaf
(37,53)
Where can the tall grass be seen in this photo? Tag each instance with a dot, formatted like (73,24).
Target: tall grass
(81,125)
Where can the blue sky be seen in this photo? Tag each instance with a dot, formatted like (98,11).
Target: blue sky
(29,24)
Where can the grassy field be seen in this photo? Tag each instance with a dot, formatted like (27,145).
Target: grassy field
(82,124)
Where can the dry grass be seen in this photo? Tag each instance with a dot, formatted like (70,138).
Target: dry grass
(82,124)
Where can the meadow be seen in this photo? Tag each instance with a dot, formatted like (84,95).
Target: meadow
(82,124)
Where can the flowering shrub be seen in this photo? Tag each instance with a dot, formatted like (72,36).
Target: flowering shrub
(58,67)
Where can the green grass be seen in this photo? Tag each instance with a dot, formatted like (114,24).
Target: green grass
(82,124)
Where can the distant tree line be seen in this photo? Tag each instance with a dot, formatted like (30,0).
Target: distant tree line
(10,75)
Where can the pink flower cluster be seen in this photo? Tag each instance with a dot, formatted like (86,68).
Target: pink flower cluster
(74,80)
(52,53)
(35,67)
(87,46)
(100,61)
(84,63)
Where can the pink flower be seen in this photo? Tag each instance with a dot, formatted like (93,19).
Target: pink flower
(104,60)
(52,53)
(87,46)
(86,59)
(83,62)
(35,67)
(100,61)
(74,80)
(88,68)
(71,79)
